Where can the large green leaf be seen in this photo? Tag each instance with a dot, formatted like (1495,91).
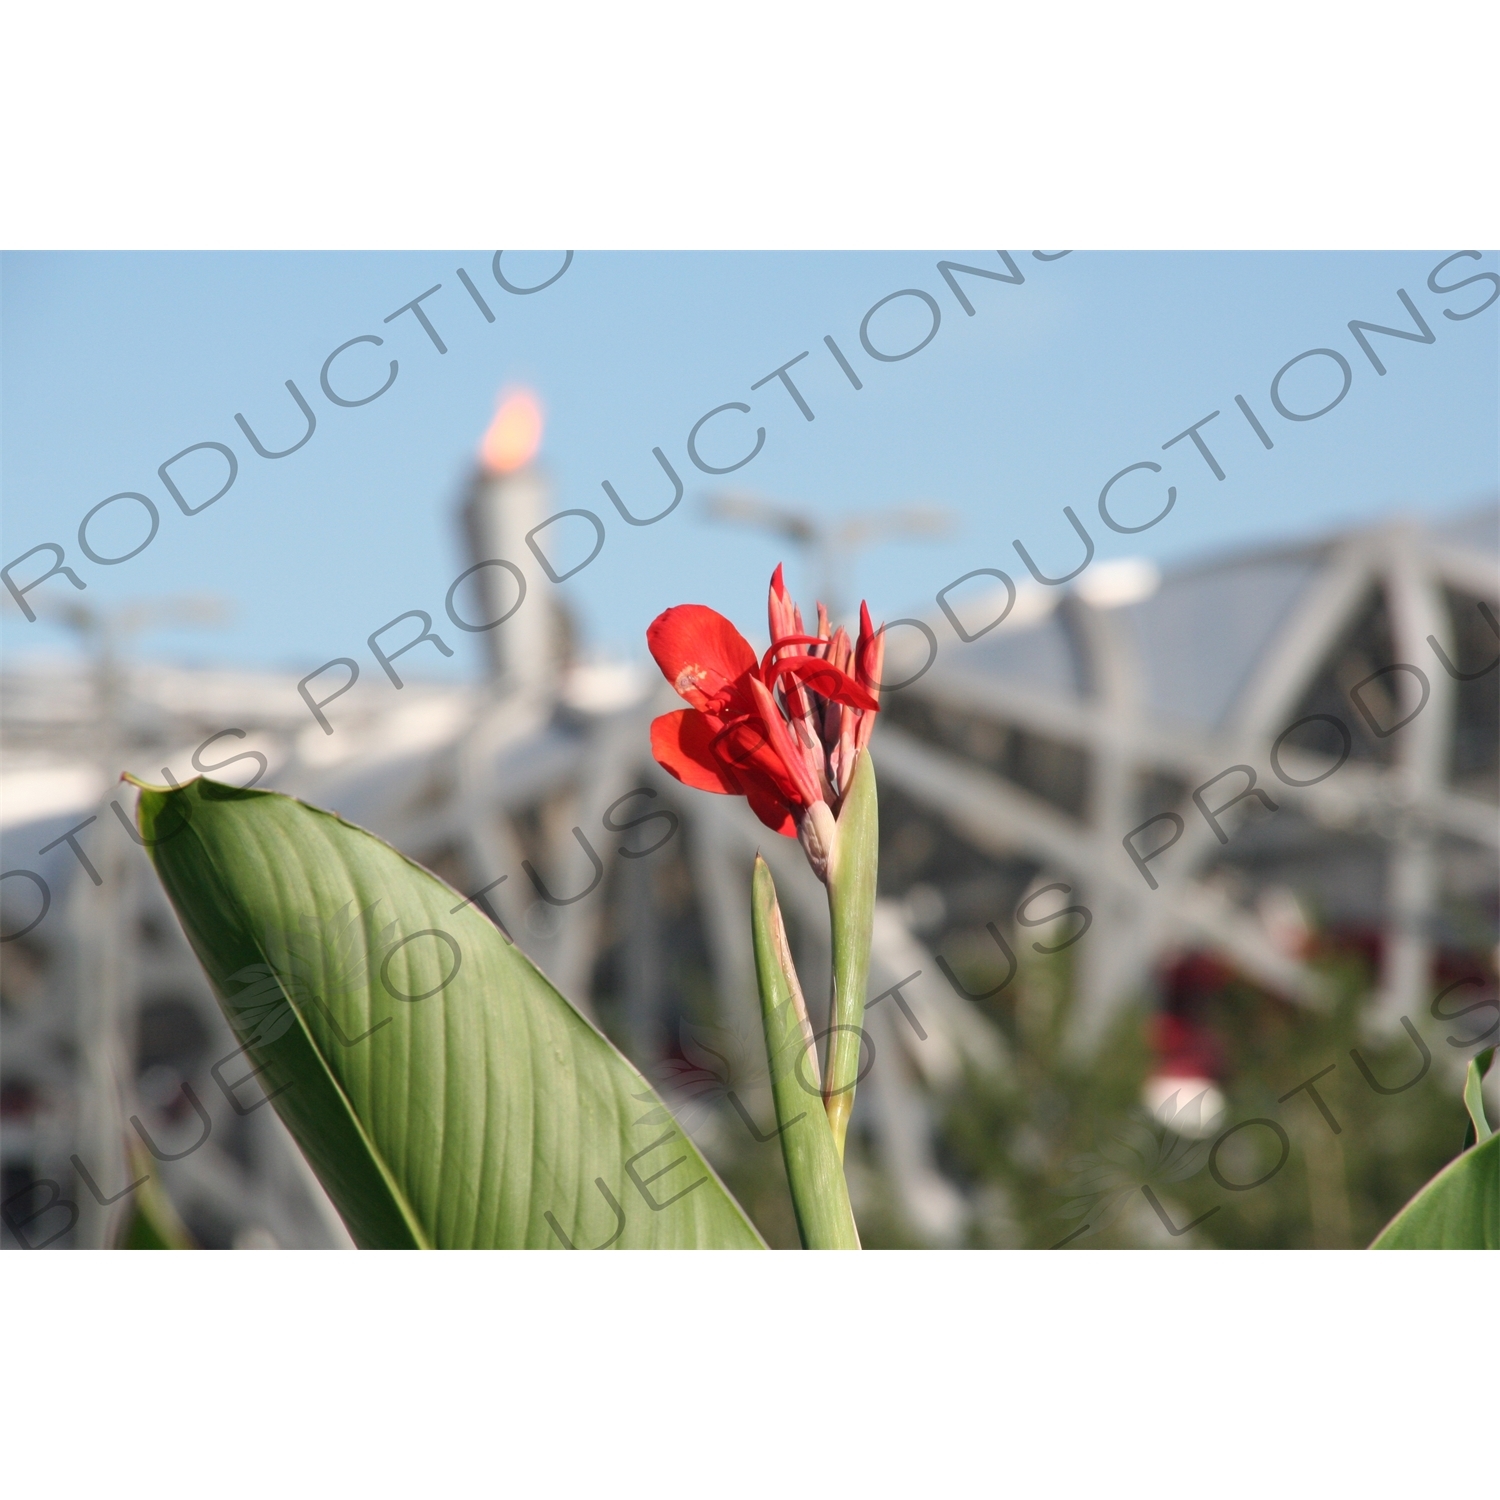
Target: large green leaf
(1458,1210)
(446,1095)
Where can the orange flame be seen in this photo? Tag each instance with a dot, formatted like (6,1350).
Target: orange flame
(515,434)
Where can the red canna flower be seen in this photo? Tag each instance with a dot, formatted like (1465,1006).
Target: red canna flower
(784,731)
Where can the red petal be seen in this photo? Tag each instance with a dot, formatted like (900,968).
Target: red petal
(840,652)
(869,657)
(699,652)
(682,744)
(781,643)
(824,678)
(783,749)
(769,806)
(781,611)
(746,752)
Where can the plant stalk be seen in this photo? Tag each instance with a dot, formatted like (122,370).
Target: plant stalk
(851,909)
(815,1173)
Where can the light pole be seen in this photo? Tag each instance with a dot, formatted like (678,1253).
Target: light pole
(834,541)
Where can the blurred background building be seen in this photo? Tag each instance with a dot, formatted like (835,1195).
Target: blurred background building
(1015,932)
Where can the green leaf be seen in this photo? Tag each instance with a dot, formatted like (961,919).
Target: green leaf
(851,909)
(814,1171)
(446,1095)
(1479,1127)
(1458,1210)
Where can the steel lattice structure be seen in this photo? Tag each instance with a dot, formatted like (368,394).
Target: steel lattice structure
(1019,759)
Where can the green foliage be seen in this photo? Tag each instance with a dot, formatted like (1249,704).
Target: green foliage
(1336,1190)
(446,1095)
(1056,1145)
(1017,1141)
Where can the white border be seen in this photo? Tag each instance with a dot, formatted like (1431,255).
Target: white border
(909,1373)
(791,123)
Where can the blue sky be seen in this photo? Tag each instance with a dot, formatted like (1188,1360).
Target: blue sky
(112,363)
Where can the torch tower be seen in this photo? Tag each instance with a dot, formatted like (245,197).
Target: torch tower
(508,496)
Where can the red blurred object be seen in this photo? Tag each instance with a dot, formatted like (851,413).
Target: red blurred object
(18,1100)
(1185,1050)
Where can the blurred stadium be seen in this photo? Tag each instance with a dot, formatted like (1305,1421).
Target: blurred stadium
(1053,1033)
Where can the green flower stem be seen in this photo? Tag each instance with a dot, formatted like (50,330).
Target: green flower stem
(152,1222)
(814,1171)
(851,909)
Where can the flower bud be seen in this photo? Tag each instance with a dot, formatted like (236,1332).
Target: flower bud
(818,829)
